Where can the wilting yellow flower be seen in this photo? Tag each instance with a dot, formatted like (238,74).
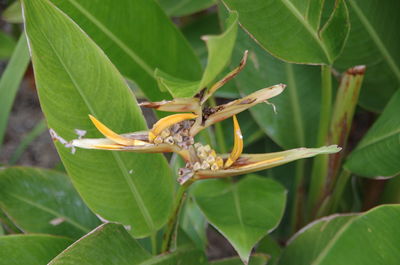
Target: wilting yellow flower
(175,133)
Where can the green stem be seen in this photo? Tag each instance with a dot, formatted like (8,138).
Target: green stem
(173,220)
(338,191)
(320,166)
(297,213)
(153,239)
(218,130)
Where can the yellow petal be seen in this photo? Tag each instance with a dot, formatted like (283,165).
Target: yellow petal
(167,122)
(226,78)
(238,144)
(248,163)
(114,136)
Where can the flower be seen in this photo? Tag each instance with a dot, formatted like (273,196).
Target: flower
(175,133)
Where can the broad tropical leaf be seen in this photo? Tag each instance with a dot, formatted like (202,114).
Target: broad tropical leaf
(359,239)
(291,30)
(136,45)
(378,154)
(74,79)
(177,8)
(44,201)
(31,249)
(374,42)
(243,212)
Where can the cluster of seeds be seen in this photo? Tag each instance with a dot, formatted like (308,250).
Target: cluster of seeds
(207,158)
(178,134)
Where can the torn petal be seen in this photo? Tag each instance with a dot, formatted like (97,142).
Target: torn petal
(248,163)
(222,112)
(226,78)
(175,105)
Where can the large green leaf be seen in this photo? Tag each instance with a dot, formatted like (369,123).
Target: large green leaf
(367,239)
(297,107)
(177,8)
(10,81)
(291,30)
(219,49)
(13,13)
(378,154)
(30,249)
(243,212)
(44,201)
(136,44)
(111,244)
(374,42)
(75,78)
(108,244)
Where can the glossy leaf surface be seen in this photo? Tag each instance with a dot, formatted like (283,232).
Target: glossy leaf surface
(378,154)
(30,249)
(291,29)
(367,239)
(243,212)
(136,44)
(177,8)
(374,42)
(74,79)
(111,244)
(297,107)
(44,201)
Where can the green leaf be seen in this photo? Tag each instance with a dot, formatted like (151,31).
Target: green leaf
(193,222)
(297,107)
(30,249)
(290,30)
(7,45)
(111,244)
(243,212)
(10,81)
(270,247)
(374,42)
(13,13)
(367,239)
(255,259)
(135,44)
(219,49)
(177,8)
(74,79)
(44,201)
(378,153)
(108,244)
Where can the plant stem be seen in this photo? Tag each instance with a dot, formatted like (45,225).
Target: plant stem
(173,220)
(218,130)
(320,166)
(297,208)
(338,191)
(153,239)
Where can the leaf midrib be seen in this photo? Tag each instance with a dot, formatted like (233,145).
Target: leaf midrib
(149,70)
(308,27)
(143,210)
(51,211)
(376,39)
(331,242)
(378,139)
